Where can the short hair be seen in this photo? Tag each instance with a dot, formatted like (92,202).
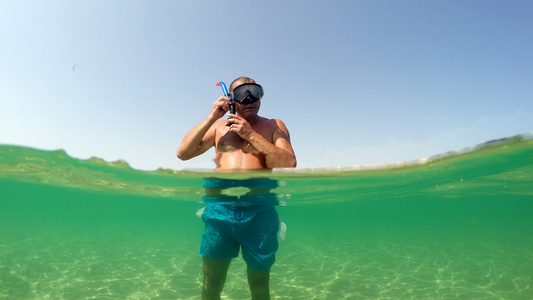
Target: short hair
(240,80)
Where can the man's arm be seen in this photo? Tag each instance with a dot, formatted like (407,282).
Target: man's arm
(279,154)
(282,140)
(202,136)
(197,141)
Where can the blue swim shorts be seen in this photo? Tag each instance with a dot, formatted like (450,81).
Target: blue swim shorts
(232,223)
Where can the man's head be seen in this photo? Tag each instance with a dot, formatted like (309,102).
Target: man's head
(249,96)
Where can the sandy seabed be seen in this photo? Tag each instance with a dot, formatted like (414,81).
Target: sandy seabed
(127,267)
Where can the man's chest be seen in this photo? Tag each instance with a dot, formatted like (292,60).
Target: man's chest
(229,141)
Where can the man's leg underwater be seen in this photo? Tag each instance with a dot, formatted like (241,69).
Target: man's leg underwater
(259,284)
(258,250)
(215,271)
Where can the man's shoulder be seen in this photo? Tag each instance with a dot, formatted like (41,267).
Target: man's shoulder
(271,121)
(271,126)
(277,123)
(220,124)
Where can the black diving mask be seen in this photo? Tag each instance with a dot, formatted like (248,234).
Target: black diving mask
(247,93)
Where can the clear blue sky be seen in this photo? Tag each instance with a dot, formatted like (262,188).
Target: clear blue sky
(356,82)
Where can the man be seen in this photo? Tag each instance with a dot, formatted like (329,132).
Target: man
(246,141)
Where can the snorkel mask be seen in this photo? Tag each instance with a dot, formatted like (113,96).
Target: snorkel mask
(247,93)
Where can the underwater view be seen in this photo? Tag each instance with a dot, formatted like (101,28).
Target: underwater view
(454,226)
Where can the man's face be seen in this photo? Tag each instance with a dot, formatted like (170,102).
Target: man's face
(246,110)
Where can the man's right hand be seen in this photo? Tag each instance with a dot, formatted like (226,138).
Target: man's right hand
(220,107)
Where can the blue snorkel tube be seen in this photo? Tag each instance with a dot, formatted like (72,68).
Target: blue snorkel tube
(226,93)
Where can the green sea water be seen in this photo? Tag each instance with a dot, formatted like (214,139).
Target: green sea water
(455,226)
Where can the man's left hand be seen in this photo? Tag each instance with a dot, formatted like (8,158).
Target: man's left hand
(240,126)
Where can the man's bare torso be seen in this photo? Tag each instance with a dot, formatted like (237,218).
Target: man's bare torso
(233,152)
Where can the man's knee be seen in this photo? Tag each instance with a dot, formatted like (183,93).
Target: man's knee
(213,281)
(215,271)
(259,283)
(259,288)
